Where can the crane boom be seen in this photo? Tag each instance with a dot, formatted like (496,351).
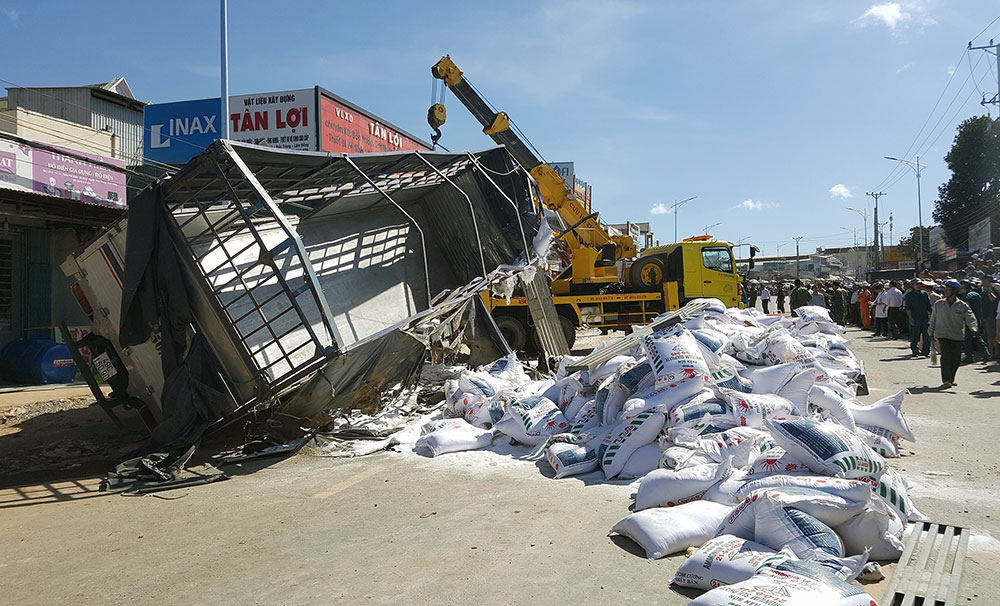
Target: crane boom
(586,231)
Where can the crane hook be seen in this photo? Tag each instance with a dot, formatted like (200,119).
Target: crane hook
(436,115)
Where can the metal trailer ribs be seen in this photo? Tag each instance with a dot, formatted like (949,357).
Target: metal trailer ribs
(308,268)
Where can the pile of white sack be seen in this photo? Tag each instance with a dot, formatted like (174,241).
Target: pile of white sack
(745,438)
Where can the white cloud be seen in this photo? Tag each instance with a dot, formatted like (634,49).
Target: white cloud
(903,68)
(890,14)
(756,205)
(841,191)
(897,15)
(659,209)
(951,70)
(13,14)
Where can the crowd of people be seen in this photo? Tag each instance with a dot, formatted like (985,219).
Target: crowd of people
(957,318)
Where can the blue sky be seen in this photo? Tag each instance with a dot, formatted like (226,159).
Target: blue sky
(776,115)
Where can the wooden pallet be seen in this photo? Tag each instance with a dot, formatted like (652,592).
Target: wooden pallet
(930,569)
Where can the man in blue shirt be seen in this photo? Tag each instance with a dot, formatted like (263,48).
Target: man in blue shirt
(973,342)
(918,312)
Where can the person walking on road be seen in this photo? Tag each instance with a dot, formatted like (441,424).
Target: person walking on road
(997,327)
(855,307)
(894,301)
(818,297)
(991,298)
(864,306)
(973,342)
(799,297)
(839,303)
(918,312)
(765,298)
(782,293)
(950,318)
(752,295)
(881,311)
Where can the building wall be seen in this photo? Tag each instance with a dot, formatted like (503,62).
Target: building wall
(54,131)
(71,104)
(122,121)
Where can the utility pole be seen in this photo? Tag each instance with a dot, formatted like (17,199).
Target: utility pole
(890,229)
(224,64)
(708,227)
(796,238)
(992,49)
(916,166)
(880,237)
(878,248)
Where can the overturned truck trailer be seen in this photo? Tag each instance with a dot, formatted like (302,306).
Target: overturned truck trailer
(303,282)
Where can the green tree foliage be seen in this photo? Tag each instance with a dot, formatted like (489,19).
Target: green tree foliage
(908,244)
(973,191)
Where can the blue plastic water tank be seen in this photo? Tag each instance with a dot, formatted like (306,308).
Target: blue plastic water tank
(37,361)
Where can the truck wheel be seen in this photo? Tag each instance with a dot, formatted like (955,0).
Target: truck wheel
(514,331)
(569,331)
(647,274)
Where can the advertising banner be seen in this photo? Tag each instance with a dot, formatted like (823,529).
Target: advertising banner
(286,119)
(583,194)
(26,168)
(177,132)
(937,242)
(566,171)
(346,131)
(979,235)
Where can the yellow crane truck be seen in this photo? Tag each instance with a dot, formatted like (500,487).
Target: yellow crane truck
(608,284)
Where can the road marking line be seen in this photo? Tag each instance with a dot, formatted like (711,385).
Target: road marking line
(346,483)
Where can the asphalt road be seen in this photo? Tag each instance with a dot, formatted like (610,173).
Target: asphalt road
(394,528)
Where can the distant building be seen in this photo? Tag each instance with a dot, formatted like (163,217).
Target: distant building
(107,107)
(641,232)
(61,181)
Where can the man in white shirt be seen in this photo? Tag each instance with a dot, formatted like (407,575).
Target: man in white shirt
(881,311)
(765,298)
(894,300)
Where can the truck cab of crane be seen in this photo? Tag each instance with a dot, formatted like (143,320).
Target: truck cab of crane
(701,266)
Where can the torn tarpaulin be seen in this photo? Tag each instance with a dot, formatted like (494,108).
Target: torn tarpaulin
(156,472)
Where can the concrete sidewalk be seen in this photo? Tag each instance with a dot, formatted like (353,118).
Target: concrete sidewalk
(395,529)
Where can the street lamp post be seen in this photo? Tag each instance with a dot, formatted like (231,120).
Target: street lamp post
(676,206)
(854,249)
(777,255)
(797,238)
(864,214)
(916,166)
(708,227)
(853,230)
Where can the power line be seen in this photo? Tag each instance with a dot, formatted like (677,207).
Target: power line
(986,28)
(926,121)
(993,49)
(975,216)
(80,141)
(928,143)
(920,147)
